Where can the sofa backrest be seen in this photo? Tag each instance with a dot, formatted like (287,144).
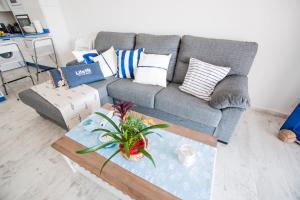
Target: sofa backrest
(237,55)
(160,44)
(104,40)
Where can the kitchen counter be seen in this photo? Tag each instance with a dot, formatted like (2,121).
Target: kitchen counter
(19,35)
(25,44)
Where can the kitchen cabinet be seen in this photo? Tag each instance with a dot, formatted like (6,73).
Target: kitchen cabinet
(4,6)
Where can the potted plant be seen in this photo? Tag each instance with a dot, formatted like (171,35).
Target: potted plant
(130,135)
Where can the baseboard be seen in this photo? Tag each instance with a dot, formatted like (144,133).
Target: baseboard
(270,112)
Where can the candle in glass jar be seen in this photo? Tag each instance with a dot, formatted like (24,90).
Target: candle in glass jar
(186,155)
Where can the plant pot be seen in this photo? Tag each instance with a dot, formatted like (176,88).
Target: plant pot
(135,155)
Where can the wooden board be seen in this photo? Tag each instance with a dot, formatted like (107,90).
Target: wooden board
(118,177)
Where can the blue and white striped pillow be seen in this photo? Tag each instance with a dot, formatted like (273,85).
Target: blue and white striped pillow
(127,62)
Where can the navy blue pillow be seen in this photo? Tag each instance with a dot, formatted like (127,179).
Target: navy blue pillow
(83,73)
(87,57)
(55,76)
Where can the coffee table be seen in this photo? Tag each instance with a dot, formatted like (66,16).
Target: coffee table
(140,179)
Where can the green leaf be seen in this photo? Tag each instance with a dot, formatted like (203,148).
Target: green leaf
(126,134)
(115,153)
(95,148)
(148,155)
(113,136)
(155,127)
(137,136)
(101,129)
(147,133)
(126,147)
(109,120)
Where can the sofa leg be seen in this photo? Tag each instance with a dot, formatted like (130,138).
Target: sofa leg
(228,124)
(222,142)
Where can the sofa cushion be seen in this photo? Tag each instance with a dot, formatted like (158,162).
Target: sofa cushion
(139,94)
(101,86)
(104,40)
(237,55)
(201,78)
(108,62)
(127,61)
(81,74)
(160,44)
(176,102)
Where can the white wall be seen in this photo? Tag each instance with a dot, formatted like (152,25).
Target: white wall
(7,18)
(274,24)
(34,11)
(54,17)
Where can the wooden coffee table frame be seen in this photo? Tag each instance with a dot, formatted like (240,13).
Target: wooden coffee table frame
(118,177)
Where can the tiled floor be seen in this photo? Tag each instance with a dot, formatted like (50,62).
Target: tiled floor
(255,165)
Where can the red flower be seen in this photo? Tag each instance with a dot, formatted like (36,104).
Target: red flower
(122,108)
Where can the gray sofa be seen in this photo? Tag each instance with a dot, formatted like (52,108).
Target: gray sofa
(219,117)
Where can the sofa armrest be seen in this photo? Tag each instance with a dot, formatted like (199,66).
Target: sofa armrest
(231,92)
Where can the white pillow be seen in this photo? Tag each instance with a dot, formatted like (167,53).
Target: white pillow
(79,54)
(108,62)
(152,69)
(202,78)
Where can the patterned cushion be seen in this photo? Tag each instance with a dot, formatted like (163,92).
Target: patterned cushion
(88,57)
(152,69)
(127,61)
(201,78)
(79,54)
(108,62)
(80,74)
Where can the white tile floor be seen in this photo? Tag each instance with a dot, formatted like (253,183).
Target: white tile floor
(255,165)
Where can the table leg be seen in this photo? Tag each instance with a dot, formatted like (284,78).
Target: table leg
(70,163)
(76,168)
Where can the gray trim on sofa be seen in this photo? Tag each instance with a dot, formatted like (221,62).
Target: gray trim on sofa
(232,92)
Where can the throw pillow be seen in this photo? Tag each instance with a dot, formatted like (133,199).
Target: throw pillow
(127,61)
(152,69)
(201,78)
(88,57)
(80,74)
(79,54)
(108,62)
(56,78)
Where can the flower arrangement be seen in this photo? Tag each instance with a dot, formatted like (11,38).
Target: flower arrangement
(130,134)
